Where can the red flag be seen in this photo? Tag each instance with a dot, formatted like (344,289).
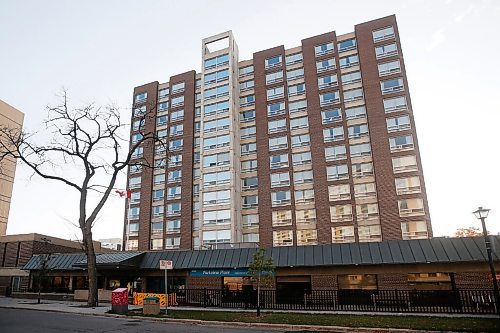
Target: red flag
(126,193)
(129,194)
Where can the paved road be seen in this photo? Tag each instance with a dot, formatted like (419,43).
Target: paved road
(17,320)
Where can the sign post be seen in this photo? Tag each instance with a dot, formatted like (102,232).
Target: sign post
(166,265)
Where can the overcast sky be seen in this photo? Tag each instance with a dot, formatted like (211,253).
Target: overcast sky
(100,50)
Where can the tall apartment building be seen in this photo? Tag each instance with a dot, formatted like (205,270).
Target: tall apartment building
(12,118)
(309,145)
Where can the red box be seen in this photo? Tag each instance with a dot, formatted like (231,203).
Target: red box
(119,296)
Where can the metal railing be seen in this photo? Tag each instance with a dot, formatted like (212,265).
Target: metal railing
(400,301)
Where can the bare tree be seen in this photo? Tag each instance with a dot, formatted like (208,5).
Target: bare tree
(87,152)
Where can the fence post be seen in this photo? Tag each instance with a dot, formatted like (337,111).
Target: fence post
(204,297)
(397,299)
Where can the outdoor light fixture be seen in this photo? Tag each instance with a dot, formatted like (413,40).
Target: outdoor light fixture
(481,214)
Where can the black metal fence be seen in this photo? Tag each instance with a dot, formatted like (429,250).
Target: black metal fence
(410,301)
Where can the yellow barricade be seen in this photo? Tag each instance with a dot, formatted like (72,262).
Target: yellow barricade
(172,298)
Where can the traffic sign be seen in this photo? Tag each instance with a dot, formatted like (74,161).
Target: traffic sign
(166,264)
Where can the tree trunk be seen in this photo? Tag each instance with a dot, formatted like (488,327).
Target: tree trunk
(91,269)
(258,297)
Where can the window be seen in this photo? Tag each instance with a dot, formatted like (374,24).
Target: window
(327,81)
(274,77)
(383,34)
(414,230)
(293,58)
(245,71)
(280,198)
(386,50)
(157,227)
(389,68)
(247,85)
(331,116)
(160,149)
(248,221)
(247,100)
(346,45)
(280,179)
(139,112)
(343,234)
(135,168)
(307,237)
(249,166)
(175,160)
(278,143)
(359,281)
(178,87)
(325,65)
(337,172)
(353,95)
(174,226)
(304,197)
(176,129)
(138,125)
(283,238)
(355,113)
(174,145)
(349,61)
(278,161)
(247,116)
(136,137)
(303,177)
(163,93)
(300,140)
(216,178)
(282,218)
(339,192)
(134,182)
(276,126)
(341,213)
(174,176)
(216,142)
(158,195)
(217,61)
(159,179)
(323,49)
(404,164)
(329,98)
(217,217)
(157,211)
(135,197)
(197,127)
(297,106)
(295,74)
(363,149)
(408,185)
(161,134)
(248,132)
(411,207)
(216,125)
(401,143)
(276,109)
(177,115)
(197,84)
(216,92)
(398,124)
(216,237)
(160,163)
(274,93)
(249,183)
(216,108)
(174,192)
(335,153)
(139,98)
(250,238)
(133,213)
(172,242)
(353,77)
(366,190)
(362,169)
(395,104)
(296,90)
(392,85)
(138,152)
(216,77)
(273,62)
(248,148)
(196,173)
(174,209)
(298,123)
(196,189)
(301,158)
(357,131)
(216,197)
(133,229)
(177,101)
(333,134)
(161,120)
(250,201)
(305,216)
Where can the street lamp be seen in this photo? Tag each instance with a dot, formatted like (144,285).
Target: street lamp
(481,214)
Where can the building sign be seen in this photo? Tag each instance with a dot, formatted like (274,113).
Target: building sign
(219,272)
(166,264)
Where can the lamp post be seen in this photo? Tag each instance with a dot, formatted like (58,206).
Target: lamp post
(481,214)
